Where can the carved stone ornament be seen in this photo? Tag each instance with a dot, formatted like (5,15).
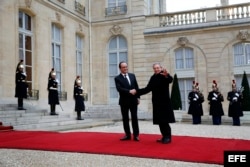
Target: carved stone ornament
(28,3)
(182,41)
(242,35)
(58,17)
(80,27)
(116,30)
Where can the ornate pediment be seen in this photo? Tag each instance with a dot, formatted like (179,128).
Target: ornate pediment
(242,35)
(182,41)
(58,17)
(116,30)
(28,3)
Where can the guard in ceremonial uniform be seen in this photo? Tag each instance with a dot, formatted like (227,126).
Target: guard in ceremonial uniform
(215,99)
(79,98)
(235,107)
(53,92)
(21,85)
(196,99)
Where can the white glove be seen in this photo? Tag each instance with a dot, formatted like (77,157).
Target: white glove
(215,95)
(214,98)
(194,99)
(196,96)
(237,94)
(235,99)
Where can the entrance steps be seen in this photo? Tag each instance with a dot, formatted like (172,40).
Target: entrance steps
(40,119)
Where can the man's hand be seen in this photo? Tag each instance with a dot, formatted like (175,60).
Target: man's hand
(164,72)
(132,91)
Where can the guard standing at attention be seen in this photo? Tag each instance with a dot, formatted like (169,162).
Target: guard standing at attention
(235,107)
(196,99)
(53,92)
(79,98)
(21,85)
(215,99)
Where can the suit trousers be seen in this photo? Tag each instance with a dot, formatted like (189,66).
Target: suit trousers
(125,118)
(165,130)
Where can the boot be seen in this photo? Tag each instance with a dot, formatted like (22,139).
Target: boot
(79,117)
(20,104)
(53,109)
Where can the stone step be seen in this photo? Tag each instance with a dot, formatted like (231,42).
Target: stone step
(68,125)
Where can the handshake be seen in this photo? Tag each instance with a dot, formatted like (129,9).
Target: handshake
(132,91)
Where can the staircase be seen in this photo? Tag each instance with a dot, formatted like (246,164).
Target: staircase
(35,118)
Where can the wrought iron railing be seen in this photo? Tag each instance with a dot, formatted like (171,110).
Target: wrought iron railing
(62,95)
(117,10)
(79,8)
(33,94)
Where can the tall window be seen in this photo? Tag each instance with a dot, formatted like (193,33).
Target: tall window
(185,86)
(184,62)
(79,55)
(184,58)
(114,3)
(25,44)
(116,7)
(56,53)
(238,79)
(117,52)
(241,54)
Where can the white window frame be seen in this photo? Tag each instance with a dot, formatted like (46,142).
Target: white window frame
(245,58)
(184,58)
(79,55)
(116,51)
(57,43)
(26,33)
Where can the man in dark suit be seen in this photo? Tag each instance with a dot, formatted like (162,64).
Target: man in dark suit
(162,109)
(126,85)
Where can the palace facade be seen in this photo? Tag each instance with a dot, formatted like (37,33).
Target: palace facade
(90,37)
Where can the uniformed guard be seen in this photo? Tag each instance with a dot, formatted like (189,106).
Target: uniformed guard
(21,85)
(53,92)
(196,99)
(79,98)
(215,99)
(235,98)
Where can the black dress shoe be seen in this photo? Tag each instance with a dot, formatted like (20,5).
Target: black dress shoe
(166,140)
(159,140)
(136,138)
(125,138)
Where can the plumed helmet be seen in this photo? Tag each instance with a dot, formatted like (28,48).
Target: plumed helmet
(51,71)
(214,85)
(19,65)
(197,86)
(193,86)
(233,84)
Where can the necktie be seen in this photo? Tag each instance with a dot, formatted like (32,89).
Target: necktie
(125,76)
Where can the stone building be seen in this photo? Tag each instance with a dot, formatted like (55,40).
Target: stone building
(89,38)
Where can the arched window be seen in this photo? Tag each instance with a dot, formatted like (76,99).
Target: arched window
(57,53)
(241,53)
(25,44)
(184,58)
(184,65)
(79,55)
(117,52)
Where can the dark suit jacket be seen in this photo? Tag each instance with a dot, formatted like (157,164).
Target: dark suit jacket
(123,88)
